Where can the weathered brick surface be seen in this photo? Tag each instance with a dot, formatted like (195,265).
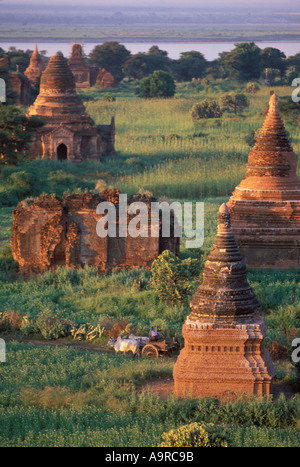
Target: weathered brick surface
(223,352)
(105,79)
(51,232)
(35,68)
(79,67)
(68,133)
(265,206)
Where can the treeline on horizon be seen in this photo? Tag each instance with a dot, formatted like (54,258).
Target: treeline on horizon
(245,62)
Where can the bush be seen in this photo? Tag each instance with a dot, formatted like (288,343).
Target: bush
(194,435)
(51,326)
(109,98)
(171,277)
(206,109)
(252,88)
(10,321)
(159,84)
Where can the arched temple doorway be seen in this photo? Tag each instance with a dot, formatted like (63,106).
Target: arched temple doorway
(62,152)
(59,257)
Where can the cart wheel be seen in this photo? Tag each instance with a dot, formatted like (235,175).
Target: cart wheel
(150,351)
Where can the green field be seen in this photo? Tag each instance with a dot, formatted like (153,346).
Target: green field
(68,396)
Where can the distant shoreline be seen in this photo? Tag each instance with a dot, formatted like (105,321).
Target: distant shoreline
(146,40)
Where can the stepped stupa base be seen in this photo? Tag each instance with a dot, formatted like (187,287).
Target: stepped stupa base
(267,232)
(223,360)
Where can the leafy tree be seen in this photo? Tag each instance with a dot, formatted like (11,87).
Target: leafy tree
(158,84)
(273,58)
(18,59)
(294,62)
(141,65)
(171,277)
(206,109)
(190,65)
(235,101)
(15,133)
(155,50)
(289,110)
(136,67)
(111,56)
(243,62)
(11,95)
(271,74)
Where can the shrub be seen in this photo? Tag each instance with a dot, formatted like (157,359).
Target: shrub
(205,109)
(194,435)
(159,84)
(27,326)
(252,88)
(10,321)
(171,277)
(109,98)
(51,326)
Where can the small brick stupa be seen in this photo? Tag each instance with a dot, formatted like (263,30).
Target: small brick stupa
(265,206)
(105,79)
(35,68)
(224,355)
(69,133)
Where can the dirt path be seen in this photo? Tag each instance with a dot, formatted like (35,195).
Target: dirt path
(162,387)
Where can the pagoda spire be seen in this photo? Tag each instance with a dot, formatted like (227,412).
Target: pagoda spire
(223,353)
(35,67)
(224,295)
(271,169)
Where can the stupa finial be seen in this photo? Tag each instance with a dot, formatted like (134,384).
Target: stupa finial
(223,219)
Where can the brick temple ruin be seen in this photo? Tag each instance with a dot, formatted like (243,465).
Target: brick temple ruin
(224,354)
(84,74)
(265,206)
(105,79)
(51,232)
(68,132)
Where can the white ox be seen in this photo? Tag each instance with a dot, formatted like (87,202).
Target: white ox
(141,339)
(124,345)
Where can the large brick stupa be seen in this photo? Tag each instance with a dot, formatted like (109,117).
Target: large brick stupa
(265,206)
(69,133)
(224,352)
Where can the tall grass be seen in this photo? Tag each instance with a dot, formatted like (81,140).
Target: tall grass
(67,397)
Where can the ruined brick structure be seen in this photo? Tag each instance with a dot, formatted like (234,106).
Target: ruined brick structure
(223,353)
(68,133)
(51,232)
(105,79)
(79,67)
(35,68)
(265,206)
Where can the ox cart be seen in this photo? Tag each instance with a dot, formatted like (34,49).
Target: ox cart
(156,349)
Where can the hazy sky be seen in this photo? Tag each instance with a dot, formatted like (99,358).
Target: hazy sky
(168,3)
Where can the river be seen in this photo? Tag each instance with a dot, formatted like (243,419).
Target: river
(210,50)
